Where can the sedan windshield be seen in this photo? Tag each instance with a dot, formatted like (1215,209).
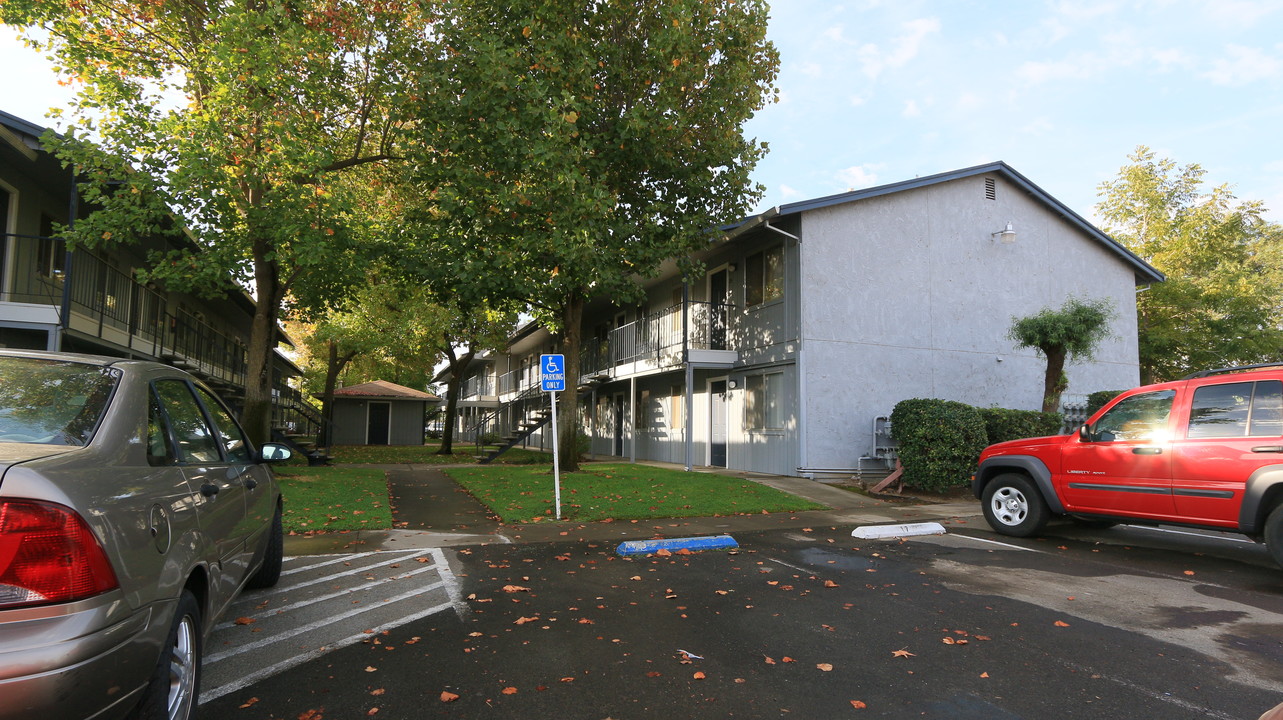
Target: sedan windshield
(52,402)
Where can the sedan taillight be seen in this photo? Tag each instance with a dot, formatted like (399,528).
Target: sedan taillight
(48,555)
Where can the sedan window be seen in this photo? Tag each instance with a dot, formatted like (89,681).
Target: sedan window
(52,402)
(229,433)
(196,443)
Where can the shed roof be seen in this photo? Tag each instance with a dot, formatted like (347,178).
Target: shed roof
(383,390)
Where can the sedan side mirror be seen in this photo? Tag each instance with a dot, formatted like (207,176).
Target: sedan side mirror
(274,452)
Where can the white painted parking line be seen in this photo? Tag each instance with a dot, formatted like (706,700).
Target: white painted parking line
(1205,536)
(994,542)
(296,660)
(324,606)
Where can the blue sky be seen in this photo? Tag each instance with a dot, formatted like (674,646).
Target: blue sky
(877,91)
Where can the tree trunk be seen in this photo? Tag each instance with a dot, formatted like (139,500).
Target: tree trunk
(455,384)
(568,402)
(1052,386)
(256,416)
(325,433)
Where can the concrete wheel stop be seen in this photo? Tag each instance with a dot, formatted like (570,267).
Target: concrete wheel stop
(692,544)
(882,532)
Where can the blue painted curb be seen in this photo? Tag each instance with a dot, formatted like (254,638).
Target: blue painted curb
(645,547)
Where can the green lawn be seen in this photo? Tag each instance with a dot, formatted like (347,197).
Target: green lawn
(619,491)
(334,498)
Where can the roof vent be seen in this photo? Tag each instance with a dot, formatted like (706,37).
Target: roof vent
(991,189)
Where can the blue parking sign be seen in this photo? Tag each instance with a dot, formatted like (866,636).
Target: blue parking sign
(552,372)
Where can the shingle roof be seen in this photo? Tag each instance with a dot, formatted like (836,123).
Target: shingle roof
(384,390)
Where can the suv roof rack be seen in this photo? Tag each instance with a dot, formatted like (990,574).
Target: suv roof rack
(1239,368)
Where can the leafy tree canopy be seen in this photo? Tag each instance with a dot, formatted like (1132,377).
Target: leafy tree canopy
(1220,305)
(1070,332)
(245,123)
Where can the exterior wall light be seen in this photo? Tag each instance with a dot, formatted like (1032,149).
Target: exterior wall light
(1006,235)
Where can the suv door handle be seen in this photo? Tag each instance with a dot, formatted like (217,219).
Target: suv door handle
(1147,451)
(1268,449)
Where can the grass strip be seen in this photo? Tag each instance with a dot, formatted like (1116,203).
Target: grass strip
(620,491)
(334,498)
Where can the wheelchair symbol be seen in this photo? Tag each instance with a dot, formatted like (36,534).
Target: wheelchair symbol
(553,366)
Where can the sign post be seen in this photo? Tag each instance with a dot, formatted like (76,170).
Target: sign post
(553,380)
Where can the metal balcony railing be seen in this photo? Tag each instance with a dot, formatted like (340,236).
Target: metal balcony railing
(658,337)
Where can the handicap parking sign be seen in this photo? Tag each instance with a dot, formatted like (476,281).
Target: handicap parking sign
(553,372)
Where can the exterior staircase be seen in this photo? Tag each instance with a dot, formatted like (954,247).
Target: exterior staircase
(495,436)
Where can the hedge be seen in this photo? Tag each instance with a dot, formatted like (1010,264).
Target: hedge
(1003,424)
(939,441)
(1099,399)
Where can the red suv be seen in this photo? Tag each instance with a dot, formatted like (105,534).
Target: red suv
(1204,451)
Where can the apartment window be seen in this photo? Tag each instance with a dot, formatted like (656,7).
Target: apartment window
(51,253)
(764,276)
(763,406)
(642,408)
(676,408)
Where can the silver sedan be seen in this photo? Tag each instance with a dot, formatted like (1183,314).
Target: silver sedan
(132,511)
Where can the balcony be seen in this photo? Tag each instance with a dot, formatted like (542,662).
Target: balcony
(655,342)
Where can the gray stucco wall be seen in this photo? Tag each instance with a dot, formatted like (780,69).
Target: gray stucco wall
(907,295)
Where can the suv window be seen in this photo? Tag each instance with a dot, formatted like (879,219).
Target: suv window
(1244,409)
(1139,418)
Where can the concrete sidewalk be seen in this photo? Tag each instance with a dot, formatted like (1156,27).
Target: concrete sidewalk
(431,510)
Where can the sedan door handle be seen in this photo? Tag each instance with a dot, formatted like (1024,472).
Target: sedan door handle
(1147,451)
(209,490)
(1268,449)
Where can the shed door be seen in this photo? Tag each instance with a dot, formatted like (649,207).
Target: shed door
(377,423)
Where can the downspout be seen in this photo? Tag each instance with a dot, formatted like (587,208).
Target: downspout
(632,420)
(690,372)
(800,363)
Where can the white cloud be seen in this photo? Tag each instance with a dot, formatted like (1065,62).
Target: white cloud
(811,69)
(789,191)
(857,100)
(859,176)
(1041,72)
(1084,11)
(1038,126)
(835,34)
(1244,14)
(969,102)
(1243,65)
(911,109)
(874,59)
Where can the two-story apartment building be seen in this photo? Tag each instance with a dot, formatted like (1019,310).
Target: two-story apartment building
(813,319)
(88,301)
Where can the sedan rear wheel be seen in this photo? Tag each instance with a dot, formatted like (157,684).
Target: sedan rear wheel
(1013,506)
(171,695)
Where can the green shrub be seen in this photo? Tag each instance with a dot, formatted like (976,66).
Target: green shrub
(1003,424)
(1098,399)
(940,441)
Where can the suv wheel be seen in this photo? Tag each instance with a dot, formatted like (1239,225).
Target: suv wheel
(1274,533)
(1013,506)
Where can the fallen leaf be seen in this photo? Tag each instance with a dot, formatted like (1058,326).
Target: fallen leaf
(830,584)
(663,553)
(372,711)
(244,620)
(515,588)
(1061,623)
(1189,572)
(769,661)
(510,691)
(984,675)
(370,668)
(698,676)
(310,715)
(249,702)
(902,653)
(447,696)
(567,679)
(787,659)
(826,667)
(378,691)
(524,620)
(858,704)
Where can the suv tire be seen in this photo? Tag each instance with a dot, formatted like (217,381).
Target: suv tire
(1274,533)
(1013,506)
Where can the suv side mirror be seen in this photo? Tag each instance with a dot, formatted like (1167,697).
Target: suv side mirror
(274,452)
(1084,433)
